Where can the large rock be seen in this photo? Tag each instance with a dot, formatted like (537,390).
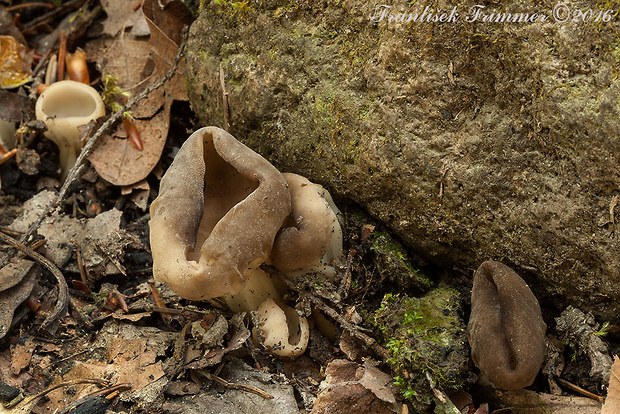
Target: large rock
(473,141)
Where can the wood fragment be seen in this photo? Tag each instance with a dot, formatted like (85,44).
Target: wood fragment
(160,303)
(62,51)
(10,154)
(80,263)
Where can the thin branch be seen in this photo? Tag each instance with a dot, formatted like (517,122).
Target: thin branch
(580,390)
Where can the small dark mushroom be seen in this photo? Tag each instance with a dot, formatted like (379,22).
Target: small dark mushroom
(506,330)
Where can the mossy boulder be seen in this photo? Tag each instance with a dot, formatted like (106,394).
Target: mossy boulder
(471,141)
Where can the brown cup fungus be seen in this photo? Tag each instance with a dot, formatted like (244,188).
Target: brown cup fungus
(219,208)
(506,330)
(311,238)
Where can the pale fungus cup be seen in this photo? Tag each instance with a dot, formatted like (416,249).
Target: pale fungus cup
(7,134)
(63,107)
(311,238)
(281,329)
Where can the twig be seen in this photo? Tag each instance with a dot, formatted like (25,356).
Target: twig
(580,390)
(80,262)
(50,324)
(27,5)
(75,172)
(354,330)
(234,386)
(171,311)
(62,51)
(8,155)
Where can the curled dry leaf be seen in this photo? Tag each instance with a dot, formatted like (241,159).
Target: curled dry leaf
(122,15)
(18,279)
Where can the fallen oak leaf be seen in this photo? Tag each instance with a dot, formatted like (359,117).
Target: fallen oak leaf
(166,24)
(119,162)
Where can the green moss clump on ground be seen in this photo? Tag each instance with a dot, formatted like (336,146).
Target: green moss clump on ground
(424,334)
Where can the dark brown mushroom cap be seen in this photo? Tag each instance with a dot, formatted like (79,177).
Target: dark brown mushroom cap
(506,330)
(219,208)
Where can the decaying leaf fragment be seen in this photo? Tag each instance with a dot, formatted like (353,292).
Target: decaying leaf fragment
(612,402)
(351,387)
(17,280)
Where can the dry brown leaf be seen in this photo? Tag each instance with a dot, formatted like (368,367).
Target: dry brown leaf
(11,298)
(139,193)
(121,15)
(21,356)
(612,402)
(166,25)
(13,273)
(15,108)
(530,402)
(351,387)
(119,162)
(127,361)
